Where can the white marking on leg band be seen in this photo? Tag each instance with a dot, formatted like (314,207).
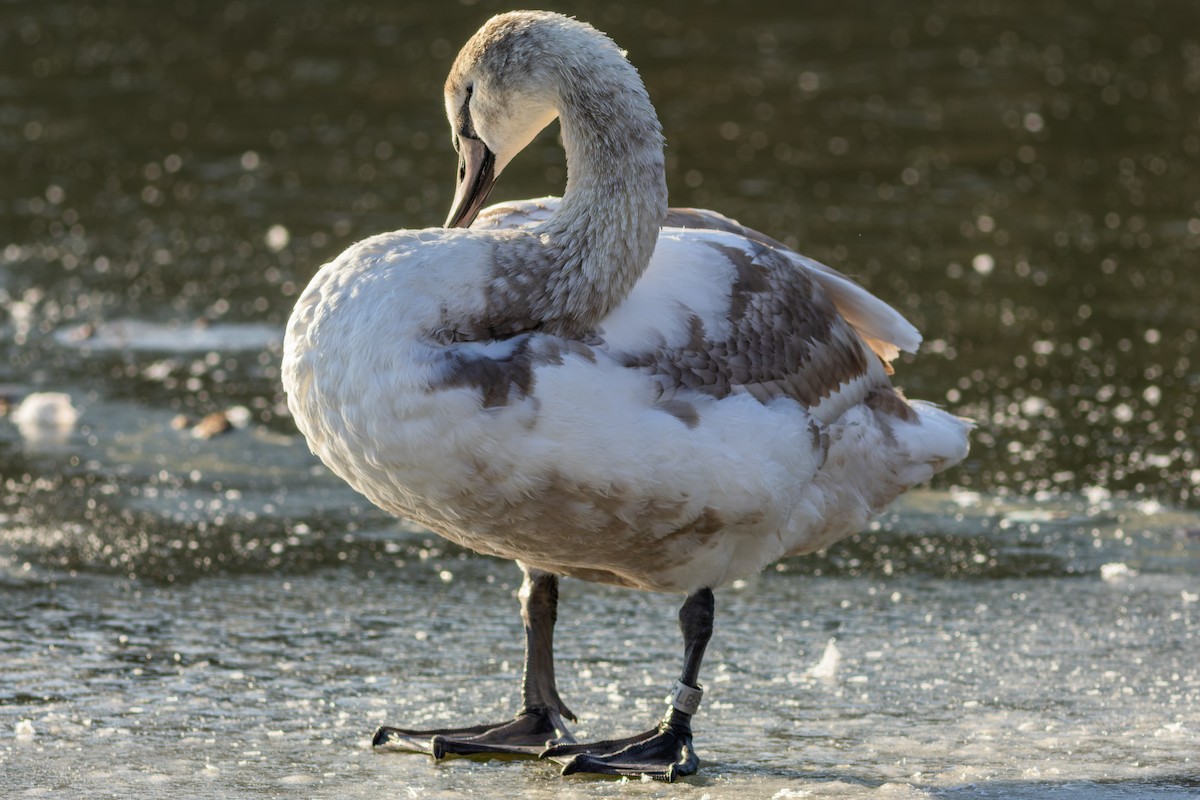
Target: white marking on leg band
(686,698)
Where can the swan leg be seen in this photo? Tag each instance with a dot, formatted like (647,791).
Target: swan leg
(664,752)
(538,725)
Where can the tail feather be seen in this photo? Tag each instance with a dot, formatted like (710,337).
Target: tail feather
(936,441)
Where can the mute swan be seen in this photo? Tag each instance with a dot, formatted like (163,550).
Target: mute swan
(598,387)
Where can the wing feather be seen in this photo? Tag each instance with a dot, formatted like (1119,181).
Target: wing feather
(795,327)
(781,336)
(881,327)
(516,214)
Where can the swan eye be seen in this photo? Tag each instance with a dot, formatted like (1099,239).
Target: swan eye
(466,125)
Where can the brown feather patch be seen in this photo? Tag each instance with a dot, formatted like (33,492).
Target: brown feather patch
(785,338)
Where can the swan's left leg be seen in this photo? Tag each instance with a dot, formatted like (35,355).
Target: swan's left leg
(665,752)
(538,724)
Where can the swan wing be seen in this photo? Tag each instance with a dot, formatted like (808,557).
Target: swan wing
(883,329)
(719,314)
(516,214)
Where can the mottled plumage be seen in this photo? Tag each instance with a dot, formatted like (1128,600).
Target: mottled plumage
(598,386)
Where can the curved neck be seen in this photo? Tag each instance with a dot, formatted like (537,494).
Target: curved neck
(603,233)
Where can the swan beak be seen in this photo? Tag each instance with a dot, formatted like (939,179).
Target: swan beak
(476,176)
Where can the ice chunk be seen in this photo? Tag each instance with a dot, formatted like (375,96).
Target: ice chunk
(826,669)
(46,416)
(1116,571)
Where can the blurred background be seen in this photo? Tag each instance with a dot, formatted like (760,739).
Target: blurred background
(1021,178)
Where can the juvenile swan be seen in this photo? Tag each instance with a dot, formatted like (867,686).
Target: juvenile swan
(598,387)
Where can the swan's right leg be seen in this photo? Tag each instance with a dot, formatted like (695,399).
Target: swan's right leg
(664,752)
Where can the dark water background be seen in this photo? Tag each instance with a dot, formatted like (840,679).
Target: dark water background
(1022,179)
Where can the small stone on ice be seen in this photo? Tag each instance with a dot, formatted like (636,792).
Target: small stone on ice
(211,425)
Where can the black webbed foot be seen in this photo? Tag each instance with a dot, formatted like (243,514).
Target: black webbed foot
(664,754)
(529,734)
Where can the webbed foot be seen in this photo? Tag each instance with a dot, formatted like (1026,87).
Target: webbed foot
(529,734)
(664,754)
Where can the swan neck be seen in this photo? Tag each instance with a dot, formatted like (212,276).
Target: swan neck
(615,200)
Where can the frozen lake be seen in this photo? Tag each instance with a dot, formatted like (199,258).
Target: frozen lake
(988,684)
(980,648)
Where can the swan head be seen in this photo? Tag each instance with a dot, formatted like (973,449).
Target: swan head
(506,85)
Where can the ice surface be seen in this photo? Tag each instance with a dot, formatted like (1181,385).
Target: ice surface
(260,683)
(135,335)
